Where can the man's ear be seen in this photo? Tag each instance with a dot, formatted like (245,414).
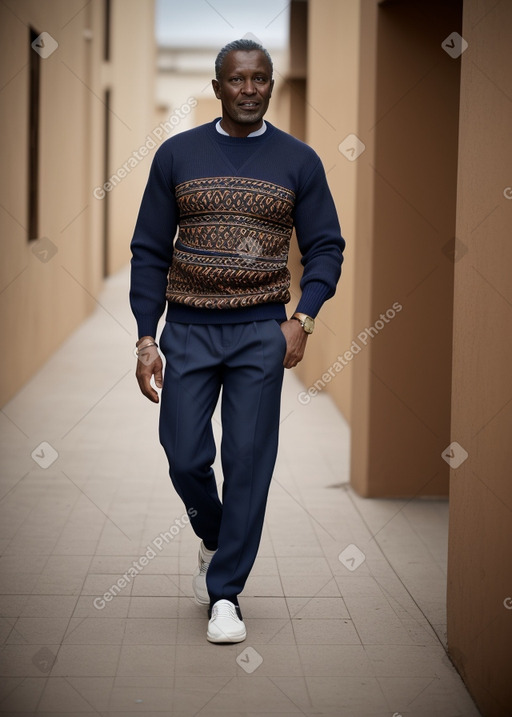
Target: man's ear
(216,88)
(271,88)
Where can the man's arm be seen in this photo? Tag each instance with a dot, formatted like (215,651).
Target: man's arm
(320,242)
(321,245)
(152,249)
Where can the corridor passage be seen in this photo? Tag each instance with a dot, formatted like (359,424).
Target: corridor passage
(345,608)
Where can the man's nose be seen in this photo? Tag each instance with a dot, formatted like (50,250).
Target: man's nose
(248,88)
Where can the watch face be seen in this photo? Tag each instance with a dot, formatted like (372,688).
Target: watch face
(308,325)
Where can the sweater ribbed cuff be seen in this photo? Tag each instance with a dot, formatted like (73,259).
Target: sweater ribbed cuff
(147,325)
(314,294)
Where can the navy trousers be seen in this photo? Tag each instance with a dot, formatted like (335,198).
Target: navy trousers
(246,361)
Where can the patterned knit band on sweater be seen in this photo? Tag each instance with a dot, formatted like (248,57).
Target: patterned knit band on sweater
(233,243)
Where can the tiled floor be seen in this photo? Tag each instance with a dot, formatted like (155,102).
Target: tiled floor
(360,636)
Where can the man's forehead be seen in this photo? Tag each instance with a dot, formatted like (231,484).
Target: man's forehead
(243,60)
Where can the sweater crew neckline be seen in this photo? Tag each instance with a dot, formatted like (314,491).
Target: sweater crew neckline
(229,140)
(256,133)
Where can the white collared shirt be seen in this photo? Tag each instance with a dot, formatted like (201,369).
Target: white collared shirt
(257,133)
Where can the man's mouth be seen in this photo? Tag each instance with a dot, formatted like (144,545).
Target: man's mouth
(249,105)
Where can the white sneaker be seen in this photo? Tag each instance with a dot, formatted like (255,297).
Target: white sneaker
(224,624)
(199,578)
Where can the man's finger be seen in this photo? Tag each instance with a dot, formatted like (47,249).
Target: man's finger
(158,375)
(146,388)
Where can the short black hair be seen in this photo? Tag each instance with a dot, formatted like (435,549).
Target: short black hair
(245,45)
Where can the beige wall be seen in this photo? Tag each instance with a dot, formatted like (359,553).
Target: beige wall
(480,539)
(41,302)
(408,120)
(131,74)
(331,114)
(440,372)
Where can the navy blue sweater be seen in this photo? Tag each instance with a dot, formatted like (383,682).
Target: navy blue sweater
(234,201)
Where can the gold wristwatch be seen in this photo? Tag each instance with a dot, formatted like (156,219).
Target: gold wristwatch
(307,323)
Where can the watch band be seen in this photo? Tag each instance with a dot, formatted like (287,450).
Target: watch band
(307,322)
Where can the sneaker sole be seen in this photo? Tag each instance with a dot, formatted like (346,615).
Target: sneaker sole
(199,599)
(212,638)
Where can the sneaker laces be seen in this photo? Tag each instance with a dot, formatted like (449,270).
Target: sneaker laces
(204,563)
(225,609)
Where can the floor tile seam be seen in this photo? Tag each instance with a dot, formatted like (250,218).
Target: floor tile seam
(391,599)
(384,590)
(65,678)
(425,544)
(394,599)
(288,611)
(77,575)
(314,530)
(175,650)
(22,680)
(303,676)
(269,532)
(35,594)
(79,494)
(13,487)
(228,681)
(430,679)
(145,524)
(118,662)
(65,634)
(311,518)
(34,508)
(298,644)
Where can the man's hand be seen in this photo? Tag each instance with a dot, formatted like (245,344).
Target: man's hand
(149,364)
(296,339)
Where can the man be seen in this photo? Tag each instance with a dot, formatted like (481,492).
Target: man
(235,188)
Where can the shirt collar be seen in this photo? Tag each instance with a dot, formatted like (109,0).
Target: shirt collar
(257,133)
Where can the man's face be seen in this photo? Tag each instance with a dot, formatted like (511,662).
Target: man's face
(244,88)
